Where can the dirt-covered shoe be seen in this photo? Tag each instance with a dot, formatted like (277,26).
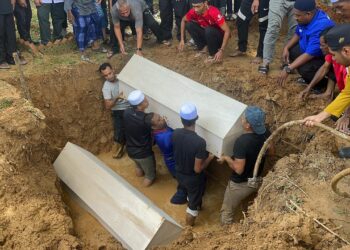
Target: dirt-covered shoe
(190,220)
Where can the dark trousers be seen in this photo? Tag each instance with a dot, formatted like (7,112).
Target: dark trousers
(245,15)
(218,3)
(229,9)
(113,39)
(209,36)
(57,15)
(23,20)
(193,186)
(149,22)
(236,5)
(119,130)
(169,8)
(309,69)
(104,9)
(7,37)
(150,5)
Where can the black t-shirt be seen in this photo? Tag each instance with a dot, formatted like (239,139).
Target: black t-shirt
(6,7)
(138,134)
(247,147)
(187,146)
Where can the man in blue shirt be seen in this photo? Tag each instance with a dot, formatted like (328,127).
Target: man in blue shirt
(302,52)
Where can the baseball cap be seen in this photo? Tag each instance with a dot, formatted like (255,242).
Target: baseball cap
(338,36)
(255,116)
(188,111)
(305,5)
(136,97)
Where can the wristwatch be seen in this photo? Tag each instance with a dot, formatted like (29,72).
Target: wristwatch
(287,69)
(139,49)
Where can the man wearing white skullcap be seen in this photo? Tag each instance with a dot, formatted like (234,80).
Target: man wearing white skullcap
(191,158)
(138,137)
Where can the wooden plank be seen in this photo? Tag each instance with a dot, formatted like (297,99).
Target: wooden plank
(125,212)
(219,115)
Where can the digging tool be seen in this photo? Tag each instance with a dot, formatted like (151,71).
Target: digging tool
(255,181)
(335,181)
(24,85)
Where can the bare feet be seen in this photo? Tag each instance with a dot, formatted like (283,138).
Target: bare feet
(327,96)
(147,182)
(57,42)
(139,172)
(256,60)
(201,52)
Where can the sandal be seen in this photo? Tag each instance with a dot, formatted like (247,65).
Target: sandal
(237,53)
(85,58)
(110,54)
(301,81)
(166,43)
(4,66)
(100,49)
(263,69)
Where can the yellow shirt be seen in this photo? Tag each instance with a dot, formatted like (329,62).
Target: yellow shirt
(342,101)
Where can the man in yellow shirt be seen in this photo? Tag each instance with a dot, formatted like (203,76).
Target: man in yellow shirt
(338,40)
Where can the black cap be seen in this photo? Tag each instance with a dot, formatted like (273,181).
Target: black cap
(338,36)
(305,5)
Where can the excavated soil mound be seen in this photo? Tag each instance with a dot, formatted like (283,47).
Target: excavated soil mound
(32,214)
(272,223)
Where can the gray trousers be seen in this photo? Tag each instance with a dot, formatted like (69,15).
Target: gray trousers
(58,17)
(278,9)
(234,195)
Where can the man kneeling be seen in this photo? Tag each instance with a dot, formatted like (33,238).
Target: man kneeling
(208,29)
(245,153)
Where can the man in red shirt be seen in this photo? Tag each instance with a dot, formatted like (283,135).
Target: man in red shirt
(336,74)
(208,29)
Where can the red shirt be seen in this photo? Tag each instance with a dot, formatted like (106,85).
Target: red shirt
(211,17)
(339,71)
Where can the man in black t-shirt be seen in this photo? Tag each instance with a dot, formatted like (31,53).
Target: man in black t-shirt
(138,137)
(191,158)
(245,153)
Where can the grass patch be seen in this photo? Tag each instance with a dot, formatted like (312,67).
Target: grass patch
(5,103)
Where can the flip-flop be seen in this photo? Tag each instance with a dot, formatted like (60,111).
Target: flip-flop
(166,42)
(110,54)
(100,49)
(5,66)
(237,54)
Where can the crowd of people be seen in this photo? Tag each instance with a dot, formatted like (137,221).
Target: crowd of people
(316,47)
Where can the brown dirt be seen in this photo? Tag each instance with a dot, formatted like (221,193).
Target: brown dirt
(68,106)
(32,214)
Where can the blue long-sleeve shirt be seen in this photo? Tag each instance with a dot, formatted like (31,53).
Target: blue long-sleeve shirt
(163,138)
(310,33)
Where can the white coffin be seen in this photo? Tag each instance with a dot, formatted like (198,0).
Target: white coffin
(219,115)
(125,212)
